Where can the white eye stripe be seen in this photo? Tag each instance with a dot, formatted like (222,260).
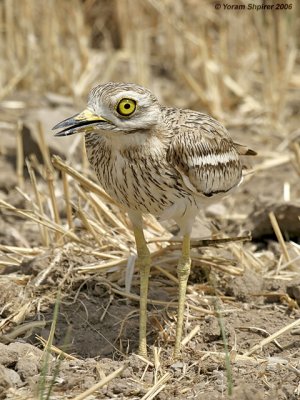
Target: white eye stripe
(210,159)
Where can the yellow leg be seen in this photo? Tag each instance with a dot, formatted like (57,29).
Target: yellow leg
(144,262)
(183,272)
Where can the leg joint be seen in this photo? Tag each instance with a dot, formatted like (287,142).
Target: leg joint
(144,261)
(184,268)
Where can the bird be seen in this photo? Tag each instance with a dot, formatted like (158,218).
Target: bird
(153,159)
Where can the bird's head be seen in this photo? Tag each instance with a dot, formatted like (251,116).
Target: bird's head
(114,107)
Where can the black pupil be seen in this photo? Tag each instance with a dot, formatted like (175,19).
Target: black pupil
(126,106)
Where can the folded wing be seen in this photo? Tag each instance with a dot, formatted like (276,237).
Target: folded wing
(205,155)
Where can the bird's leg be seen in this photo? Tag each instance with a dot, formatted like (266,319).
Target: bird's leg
(183,272)
(144,262)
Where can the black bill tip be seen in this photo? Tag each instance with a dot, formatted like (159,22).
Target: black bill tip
(78,122)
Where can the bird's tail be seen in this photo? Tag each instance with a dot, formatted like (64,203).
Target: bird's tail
(244,150)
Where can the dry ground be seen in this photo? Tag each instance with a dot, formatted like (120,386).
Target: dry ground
(247,290)
(68,286)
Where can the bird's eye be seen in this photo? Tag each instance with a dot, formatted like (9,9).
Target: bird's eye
(126,107)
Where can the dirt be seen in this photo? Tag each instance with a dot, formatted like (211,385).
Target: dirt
(99,328)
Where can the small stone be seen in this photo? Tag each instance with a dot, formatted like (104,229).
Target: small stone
(8,357)
(27,368)
(293,290)
(9,378)
(177,365)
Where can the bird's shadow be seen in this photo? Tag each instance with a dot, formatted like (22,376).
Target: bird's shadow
(94,325)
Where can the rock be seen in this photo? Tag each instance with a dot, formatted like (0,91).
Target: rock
(8,356)
(28,367)
(29,359)
(26,350)
(244,286)
(293,290)
(8,379)
(287,215)
(211,329)
(11,377)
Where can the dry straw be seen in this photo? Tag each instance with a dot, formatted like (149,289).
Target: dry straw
(171,47)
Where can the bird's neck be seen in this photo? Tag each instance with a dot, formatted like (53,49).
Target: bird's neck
(138,141)
(123,141)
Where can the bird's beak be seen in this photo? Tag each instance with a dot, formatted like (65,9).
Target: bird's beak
(83,121)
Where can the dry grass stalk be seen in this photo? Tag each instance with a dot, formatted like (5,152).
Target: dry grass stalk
(158,387)
(237,357)
(190,55)
(23,251)
(145,360)
(87,183)
(157,363)
(205,242)
(157,302)
(39,279)
(95,268)
(83,195)
(261,330)
(16,79)
(88,226)
(296,163)
(170,276)
(10,260)
(55,349)
(221,264)
(190,336)
(67,200)
(110,215)
(85,161)
(205,71)
(287,192)
(41,219)
(50,180)
(44,147)
(289,263)
(279,236)
(100,384)
(224,268)
(98,254)
(8,263)
(49,341)
(21,330)
(113,239)
(273,162)
(272,337)
(247,258)
(43,229)
(113,225)
(18,316)
(20,154)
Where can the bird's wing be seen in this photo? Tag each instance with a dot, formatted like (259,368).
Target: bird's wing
(203,153)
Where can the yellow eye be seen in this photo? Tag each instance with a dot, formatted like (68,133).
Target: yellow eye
(126,107)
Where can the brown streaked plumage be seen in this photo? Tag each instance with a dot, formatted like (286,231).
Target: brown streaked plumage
(160,160)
